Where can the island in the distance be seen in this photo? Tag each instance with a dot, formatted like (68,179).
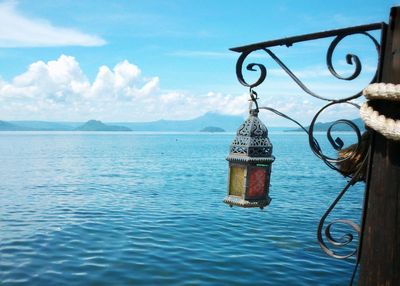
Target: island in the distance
(212,129)
(96,125)
(324,126)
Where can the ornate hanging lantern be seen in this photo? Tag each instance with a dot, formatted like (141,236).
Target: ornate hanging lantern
(250,161)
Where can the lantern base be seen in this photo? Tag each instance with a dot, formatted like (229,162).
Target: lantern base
(237,201)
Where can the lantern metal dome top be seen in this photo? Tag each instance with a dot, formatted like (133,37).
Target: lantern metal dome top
(251,143)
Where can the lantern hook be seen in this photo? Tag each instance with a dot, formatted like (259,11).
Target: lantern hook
(253,98)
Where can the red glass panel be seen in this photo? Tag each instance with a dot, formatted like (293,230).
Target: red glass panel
(257,183)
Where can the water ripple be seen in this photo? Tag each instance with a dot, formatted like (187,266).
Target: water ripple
(104,209)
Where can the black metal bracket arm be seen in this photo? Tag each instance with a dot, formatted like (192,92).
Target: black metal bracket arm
(308,37)
(357,152)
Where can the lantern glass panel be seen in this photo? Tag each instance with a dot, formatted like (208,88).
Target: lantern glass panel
(257,182)
(237,179)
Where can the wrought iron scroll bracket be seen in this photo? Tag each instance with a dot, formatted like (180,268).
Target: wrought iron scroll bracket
(339,35)
(337,143)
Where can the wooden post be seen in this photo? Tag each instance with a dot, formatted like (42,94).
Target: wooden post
(380,245)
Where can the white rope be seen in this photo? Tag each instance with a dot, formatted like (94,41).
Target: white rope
(387,91)
(388,127)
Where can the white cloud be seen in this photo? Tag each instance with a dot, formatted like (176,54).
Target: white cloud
(59,90)
(56,81)
(17,30)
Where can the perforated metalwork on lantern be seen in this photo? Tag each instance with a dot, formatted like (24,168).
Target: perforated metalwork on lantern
(250,160)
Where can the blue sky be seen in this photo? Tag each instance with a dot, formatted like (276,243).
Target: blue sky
(149,60)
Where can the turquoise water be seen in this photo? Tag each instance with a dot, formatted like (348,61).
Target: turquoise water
(146,209)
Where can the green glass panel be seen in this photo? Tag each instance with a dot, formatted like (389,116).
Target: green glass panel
(236,184)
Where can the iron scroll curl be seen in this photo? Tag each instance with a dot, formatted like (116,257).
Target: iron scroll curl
(348,237)
(336,143)
(250,67)
(350,58)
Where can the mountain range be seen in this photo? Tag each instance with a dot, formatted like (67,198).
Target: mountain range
(228,123)
(208,122)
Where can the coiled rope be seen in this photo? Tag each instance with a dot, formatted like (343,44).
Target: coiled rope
(388,127)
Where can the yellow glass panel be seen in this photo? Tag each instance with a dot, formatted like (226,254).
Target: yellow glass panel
(236,184)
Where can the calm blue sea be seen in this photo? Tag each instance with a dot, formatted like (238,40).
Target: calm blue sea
(146,209)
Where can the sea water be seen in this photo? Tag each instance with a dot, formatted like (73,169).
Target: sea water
(146,209)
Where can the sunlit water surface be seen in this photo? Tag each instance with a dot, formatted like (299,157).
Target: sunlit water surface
(146,209)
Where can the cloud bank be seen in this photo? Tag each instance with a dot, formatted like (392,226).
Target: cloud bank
(17,30)
(60,90)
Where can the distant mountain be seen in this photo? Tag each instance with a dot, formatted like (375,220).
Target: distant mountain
(323,126)
(95,125)
(46,125)
(212,129)
(6,126)
(227,122)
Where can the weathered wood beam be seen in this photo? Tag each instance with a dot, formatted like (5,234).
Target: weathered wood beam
(380,245)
